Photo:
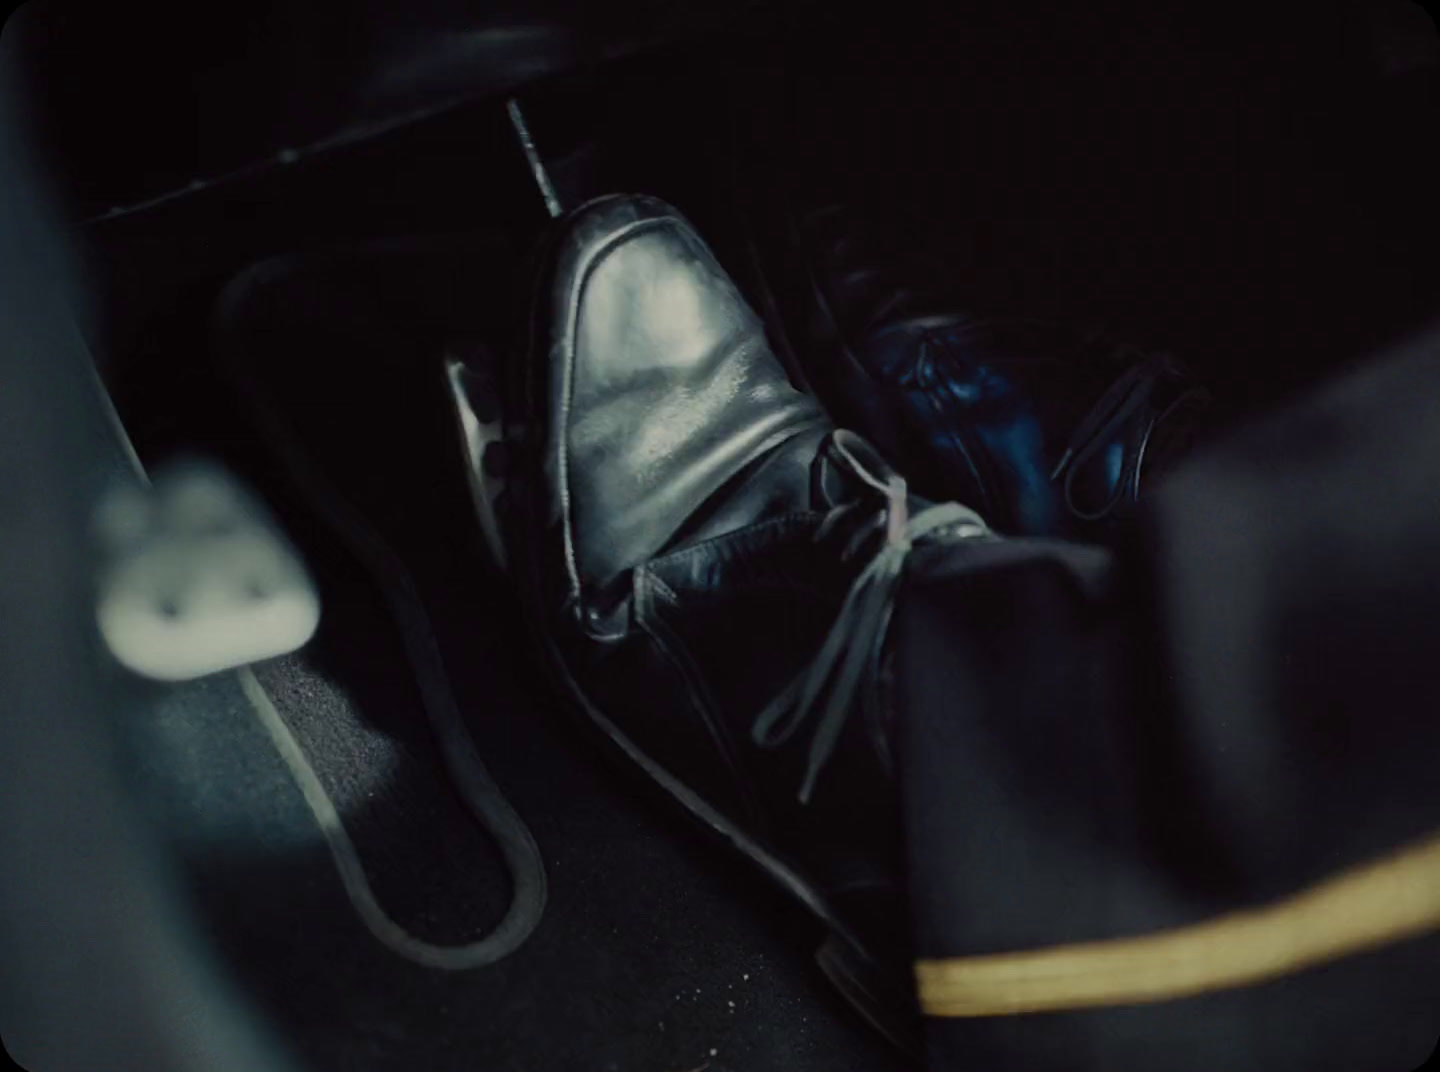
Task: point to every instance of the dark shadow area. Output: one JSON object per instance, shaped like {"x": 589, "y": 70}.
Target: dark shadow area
{"x": 1249, "y": 188}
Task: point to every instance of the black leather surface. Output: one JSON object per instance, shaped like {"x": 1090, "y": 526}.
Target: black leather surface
{"x": 972, "y": 406}
{"x": 659, "y": 390}
{"x": 671, "y": 551}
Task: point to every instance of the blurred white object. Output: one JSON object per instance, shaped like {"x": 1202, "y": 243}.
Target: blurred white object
{"x": 196, "y": 578}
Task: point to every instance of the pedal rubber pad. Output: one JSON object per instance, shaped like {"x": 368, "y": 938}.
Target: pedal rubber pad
{"x": 197, "y": 578}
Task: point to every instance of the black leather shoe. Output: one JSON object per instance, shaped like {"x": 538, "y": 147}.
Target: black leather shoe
{"x": 1046, "y": 431}
{"x": 686, "y": 529}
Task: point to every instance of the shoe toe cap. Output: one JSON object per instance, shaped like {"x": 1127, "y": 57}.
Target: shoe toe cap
{"x": 661, "y": 382}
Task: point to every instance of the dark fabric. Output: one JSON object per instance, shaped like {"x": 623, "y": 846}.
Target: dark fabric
{"x": 1237, "y": 705}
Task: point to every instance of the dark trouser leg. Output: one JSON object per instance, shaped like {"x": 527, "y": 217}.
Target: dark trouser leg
{"x": 1223, "y": 738}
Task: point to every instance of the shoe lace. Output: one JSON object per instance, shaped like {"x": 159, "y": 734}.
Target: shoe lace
{"x": 1128, "y": 395}
{"x": 851, "y": 652}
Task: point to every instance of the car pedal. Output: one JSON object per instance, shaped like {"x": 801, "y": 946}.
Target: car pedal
{"x": 475, "y": 398}
{"x": 196, "y": 577}
{"x": 538, "y": 170}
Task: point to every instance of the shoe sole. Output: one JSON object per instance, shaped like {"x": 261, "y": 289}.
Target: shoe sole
{"x": 842, "y": 958}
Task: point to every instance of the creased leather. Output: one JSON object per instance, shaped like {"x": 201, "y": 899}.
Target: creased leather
{"x": 665, "y": 390}
{"x": 682, "y": 482}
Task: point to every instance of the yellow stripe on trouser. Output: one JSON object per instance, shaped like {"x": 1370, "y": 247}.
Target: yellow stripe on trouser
{"x": 1391, "y": 899}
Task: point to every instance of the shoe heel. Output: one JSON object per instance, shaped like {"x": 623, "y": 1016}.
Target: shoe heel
{"x": 887, "y": 1002}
